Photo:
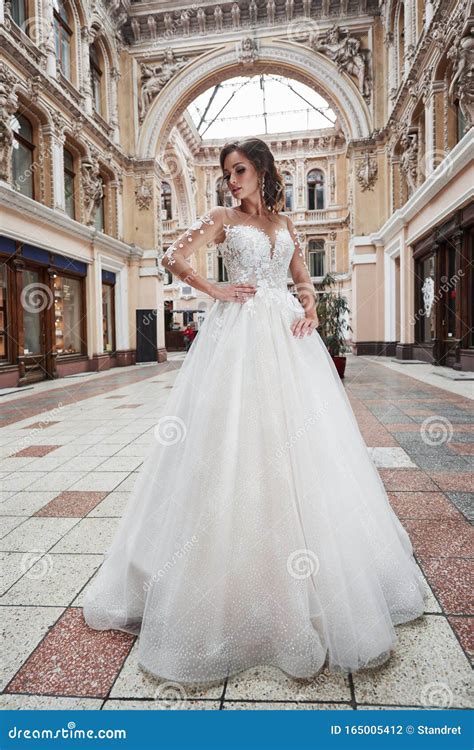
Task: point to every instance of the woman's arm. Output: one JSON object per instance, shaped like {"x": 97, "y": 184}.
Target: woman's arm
{"x": 208, "y": 228}
{"x": 300, "y": 275}
{"x": 205, "y": 229}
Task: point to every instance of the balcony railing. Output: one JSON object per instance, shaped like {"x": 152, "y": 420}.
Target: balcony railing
{"x": 318, "y": 216}
{"x": 170, "y": 225}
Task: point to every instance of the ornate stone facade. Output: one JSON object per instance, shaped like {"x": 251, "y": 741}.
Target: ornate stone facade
{"x": 118, "y": 168}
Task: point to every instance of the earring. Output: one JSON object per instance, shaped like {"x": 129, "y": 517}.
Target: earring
{"x": 263, "y": 187}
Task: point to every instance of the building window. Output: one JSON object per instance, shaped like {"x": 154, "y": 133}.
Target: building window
{"x": 425, "y": 305}
{"x": 108, "y": 316}
{"x": 69, "y": 179}
{"x": 22, "y": 159}
{"x": 315, "y": 182}
{"x": 19, "y": 11}
{"x": 221, "y": 269}
{"x": 68, "y": 314}
{"x": 62, "y": 37}
{"x": 461, "y": 123}
{"x": 316, "y": 257}
{"x": 166, "y": 206}
{"x": 288, "y": 179}
{"x": 32, "y": 316}
{"x": 401, "y": 42}
{"x": 3, "y": 312}
{"x": 223, "y": 194}
{"x": 100, "y": 211}
{"x": 96, "y": 79}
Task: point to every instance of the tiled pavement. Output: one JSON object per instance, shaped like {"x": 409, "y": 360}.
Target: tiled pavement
{"x": 69, "y": 453}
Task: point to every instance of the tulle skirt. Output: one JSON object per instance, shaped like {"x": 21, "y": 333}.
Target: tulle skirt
{"x": 258, "y": 530}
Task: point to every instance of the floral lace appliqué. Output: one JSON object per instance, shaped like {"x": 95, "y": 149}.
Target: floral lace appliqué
{"x": 188, "y": 236}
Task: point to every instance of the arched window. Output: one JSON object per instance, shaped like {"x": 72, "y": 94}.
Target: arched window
{"x": 288, "y": 179}
{"x": 96, "y": 79}
{"x": 166, "y": 203}
{"x": 315, "y": 182}
{"x": 316, "y": 257}
{"x": 23, "y": 156}
{"x": 63, "y": 37}
{"x": 19, "y": 11}
{"x": 223, "y": 195}
{"x": 69, "y": 181}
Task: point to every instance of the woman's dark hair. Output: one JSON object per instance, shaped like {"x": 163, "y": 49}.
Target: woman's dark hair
{"x": 262, "y": 159}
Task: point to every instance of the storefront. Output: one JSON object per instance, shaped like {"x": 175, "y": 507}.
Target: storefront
{"x": 43, "y": 314}
{"x": 444, "y": 293}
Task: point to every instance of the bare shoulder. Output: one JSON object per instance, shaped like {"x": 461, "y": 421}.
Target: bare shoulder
{"x": 286, "y": 222}
{"x": 218, "y": 213}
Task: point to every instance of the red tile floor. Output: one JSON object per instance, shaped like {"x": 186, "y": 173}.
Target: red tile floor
{"x": 65, "y": 479}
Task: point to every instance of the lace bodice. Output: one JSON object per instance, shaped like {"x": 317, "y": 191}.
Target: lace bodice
{"x": 250, "y": 258}
{"x": 247, "y": 250}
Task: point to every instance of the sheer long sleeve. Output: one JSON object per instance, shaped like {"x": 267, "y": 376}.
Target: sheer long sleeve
{"x": 300, "y": 274}
{"x": 298, "y": 261}
{"x": 205, "y": 229}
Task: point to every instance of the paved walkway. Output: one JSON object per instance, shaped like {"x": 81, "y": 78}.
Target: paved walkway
{"x": 70, "y": 451}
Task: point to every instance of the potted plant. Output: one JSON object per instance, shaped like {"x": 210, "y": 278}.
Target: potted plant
{"x": 331, "y": 310}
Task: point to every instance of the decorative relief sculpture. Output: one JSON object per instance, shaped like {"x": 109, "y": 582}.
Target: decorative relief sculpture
{"x": 143, "y": 194}
{"x": 409, "y": 159}
{"x": 247, "y": 50}
{"x": 154, "y": 78}
{"x": 461, "y": 88}
{"x": 345, "y": 51}
{"x": 92, "y": 189}
{"x": 367, "y": 173}
{"x": 235, "y": 15}
{"x": 8, "y": 107}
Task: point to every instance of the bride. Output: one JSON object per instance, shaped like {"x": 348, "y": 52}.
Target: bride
{"x": 259, "y": 530}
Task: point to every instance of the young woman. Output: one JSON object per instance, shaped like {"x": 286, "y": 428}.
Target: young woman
{"x": 259, "y": 530}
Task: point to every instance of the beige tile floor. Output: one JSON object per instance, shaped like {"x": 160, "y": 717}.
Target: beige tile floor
{"x": 59, "y": 512}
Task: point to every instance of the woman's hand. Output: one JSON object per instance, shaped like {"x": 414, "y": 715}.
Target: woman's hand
{"x": 234, "y": 293}
{"x": 304, "y": 326}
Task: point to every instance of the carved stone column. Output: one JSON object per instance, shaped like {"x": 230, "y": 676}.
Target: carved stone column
{"x": 56, "y": 140}
{"x": 48, "y": 37}
{"x": 115, "y": 76}
{"x": 87, "y": 37}
{"x": 300, "y": 192}
{"x": 117, "y": 188}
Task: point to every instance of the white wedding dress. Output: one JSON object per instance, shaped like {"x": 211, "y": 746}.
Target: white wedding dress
{"x": 259, "y": 530}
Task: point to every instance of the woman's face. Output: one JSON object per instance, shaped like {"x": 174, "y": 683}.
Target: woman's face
{"x": 240, "y": 175}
